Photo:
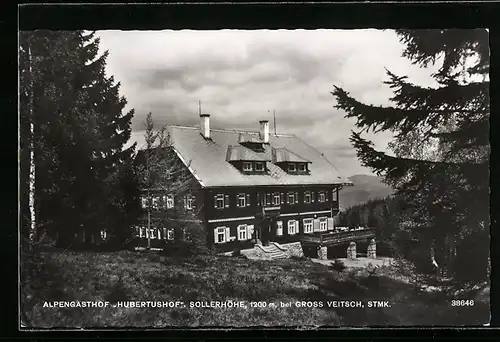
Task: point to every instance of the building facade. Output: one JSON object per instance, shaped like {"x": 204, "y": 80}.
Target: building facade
{"x": 247, "y": 187}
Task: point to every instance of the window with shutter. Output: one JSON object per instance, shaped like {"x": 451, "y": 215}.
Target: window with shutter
{"x": 308, "y": 225}
{"x": 220, "y": 235}
{"x": 268, "y": 199}
{"x": 241, "y": 201}
{"x": 307, "y": 197}
{"x": 170, "y": 234}
{"x": 156, "y": 202}
{"x": 242, "y": 232}
{"x": 316, "y": 225}
{"x": 219, "y": 201}
{"x": 228, "y": 234}
{"x": 291, "y": 198}
{"x": 248, "y": 200}
{"x": 226, "y": 198}
{"x": 276, "y": 198}
{"x": 279, "y": 228}
{"x": 169, "y": 203}
{"x": 249, "y": 231}
{"x": 321, "y": 196}
{"x": 322, "y": 224}
{"x": 216, "y": 235}
{"x": 330, "y": 223}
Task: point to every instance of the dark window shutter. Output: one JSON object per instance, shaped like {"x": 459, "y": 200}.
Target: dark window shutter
{"x": 226, "y": 201}
{"x": 215, "y": 201}
{"x": 258, "y": 199}
{"x": 282, "y": 197}
{"x": 312, "y": 196}
{"x": 248, "y": 200}
{"x": 326, "y": 196}
{"x": 296, "y": 199}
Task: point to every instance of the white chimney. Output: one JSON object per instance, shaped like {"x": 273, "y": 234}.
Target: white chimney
{"x": 264, "y": 131}
{"x": 205, "y": 125}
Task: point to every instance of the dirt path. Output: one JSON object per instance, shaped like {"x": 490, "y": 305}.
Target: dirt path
{"x": 359, "y": 262}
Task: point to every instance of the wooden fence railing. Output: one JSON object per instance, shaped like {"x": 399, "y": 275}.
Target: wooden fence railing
{"x": 332, "y": 238}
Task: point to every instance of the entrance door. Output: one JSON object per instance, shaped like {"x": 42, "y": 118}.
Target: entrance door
{"x": 266, "y": 231}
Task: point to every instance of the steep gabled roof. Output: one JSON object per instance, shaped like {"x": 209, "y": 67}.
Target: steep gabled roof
{"x": 207, "y": 159}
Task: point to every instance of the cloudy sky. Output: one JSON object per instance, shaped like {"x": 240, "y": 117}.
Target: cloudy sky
{"x": 242, "y": 76}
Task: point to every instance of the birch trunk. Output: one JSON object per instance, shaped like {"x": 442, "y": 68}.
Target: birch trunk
{"x": 32, "y": 154}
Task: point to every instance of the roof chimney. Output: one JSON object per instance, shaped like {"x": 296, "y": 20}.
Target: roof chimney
{"x": 205, "y": 125}
{"x": 264, "y": 131}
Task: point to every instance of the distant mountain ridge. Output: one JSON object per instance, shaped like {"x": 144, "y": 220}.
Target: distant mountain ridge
{"x": 366, "y": 187}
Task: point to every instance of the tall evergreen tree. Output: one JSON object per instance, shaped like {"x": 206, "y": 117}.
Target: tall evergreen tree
{"x": 440, "y": 165}
{"x": 79, "y": 134}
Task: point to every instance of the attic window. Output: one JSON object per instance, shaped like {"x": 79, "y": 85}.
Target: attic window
{"x": 302, "y": 167}
{"x": 247, "y": 166}
{"x": 291, "y": 167}
{"x": 259, "y": 166}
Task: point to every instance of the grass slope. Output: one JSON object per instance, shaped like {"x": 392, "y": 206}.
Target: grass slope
{"x": 136, "y": 276}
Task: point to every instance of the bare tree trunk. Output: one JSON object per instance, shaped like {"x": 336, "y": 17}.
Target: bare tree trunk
{"x": 32, "y": 235}
{"x": 434, "y": 262}
{"x": 149, "y": 229}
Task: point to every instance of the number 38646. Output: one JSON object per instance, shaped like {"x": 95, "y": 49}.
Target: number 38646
{"x": 462, "y": 302}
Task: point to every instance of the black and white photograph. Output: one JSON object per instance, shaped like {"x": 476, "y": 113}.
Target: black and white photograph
{"x": 241, "y": 178}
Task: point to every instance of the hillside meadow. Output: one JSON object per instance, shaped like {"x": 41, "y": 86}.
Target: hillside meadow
{"x": 150, "y": 276}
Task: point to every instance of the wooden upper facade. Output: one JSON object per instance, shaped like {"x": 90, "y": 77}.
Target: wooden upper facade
{"x": 251, "y": 185}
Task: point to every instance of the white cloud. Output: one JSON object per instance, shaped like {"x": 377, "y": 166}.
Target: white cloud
{"x": 241, "y": 76}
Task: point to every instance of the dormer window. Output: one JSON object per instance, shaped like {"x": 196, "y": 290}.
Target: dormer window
{"x": 302, "y": 167}
{"x": 259, "y": 166}
{"x": 292, "y": 167}
{"x": 247, "y": 166}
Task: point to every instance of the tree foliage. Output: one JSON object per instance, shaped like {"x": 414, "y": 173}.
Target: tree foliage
{"x": 440, "y": 153}
{"x": 161, "y": 173}
{"x": 80, "y": 132}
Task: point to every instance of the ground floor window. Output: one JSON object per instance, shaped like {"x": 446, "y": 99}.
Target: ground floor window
{"x": 242, "y": 232}
{"x": 170, "y": 234}
{"x": 293, "y": 227}
{"x": 220, "y": 234}
{"x": 308, "y": 225}
{"x": 279, "y": 228}
{"x": 322, "y": 224}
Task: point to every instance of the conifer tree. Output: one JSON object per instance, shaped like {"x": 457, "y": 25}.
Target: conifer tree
{"x": 440, "y": 155}
{"x": 78, "y": 137}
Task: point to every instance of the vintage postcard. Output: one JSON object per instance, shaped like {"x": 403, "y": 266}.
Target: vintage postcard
{"x": 254, "y": 178}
